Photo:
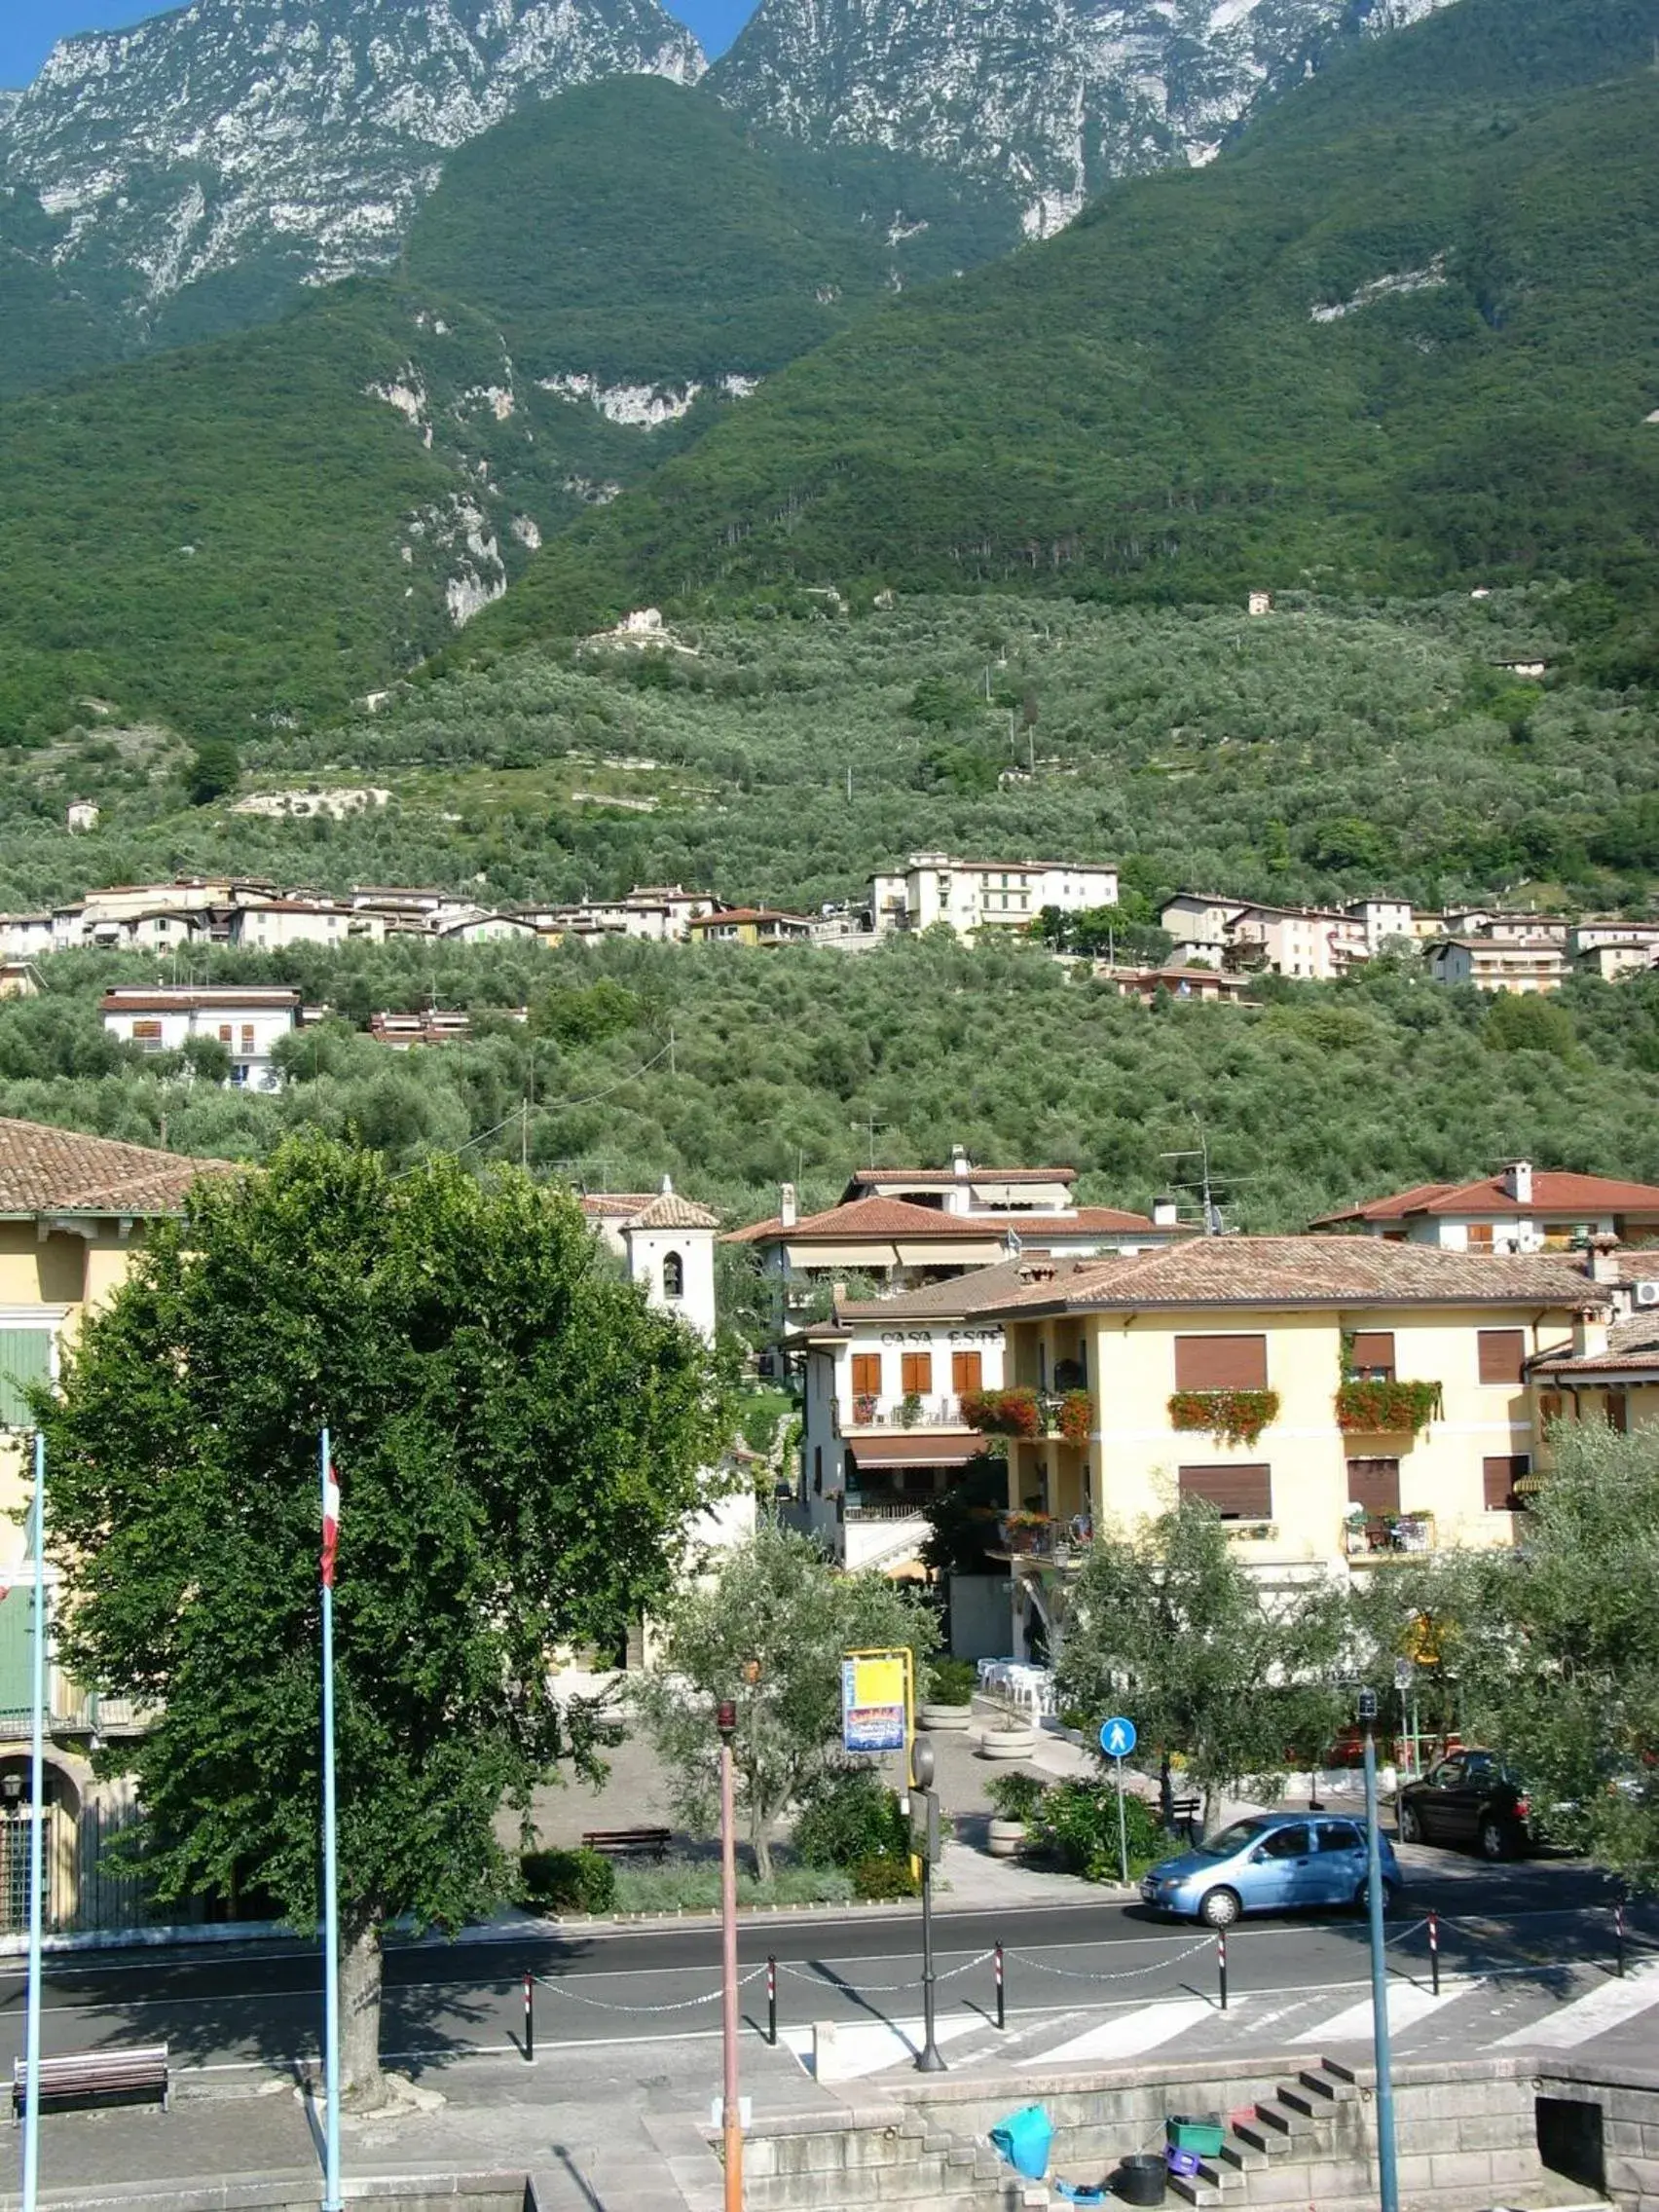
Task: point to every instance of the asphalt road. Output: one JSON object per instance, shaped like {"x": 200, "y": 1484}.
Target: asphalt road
{"x": 259, "y": 2008}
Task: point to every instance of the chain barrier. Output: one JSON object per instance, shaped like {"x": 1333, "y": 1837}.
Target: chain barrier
{"x": 886, "y": 1988}
{"x": 684, "y": 2003}
{"x": 1129, "y": 1974}
{"x": 1404, "y": 1935}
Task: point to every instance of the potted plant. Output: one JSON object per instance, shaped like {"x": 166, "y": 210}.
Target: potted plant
{"x": 864, "y": 1408}
{"x": 909, "y": 1409}
{"x": 1007, "y": 1739}
{"x": 1023, "y": 1530}
{"x": 1355, "y": 1535}
{"x": 1014, "y": 1797}
{"x": 949, "y": 1700}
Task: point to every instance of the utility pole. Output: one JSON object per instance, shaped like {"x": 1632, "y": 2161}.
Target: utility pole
{"x": 1388, "y": 2178}
{"x": 849, "y": 783}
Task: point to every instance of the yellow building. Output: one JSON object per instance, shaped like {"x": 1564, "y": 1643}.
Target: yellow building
{"x": 1341, "y": 1402}
{"x": 73, "y": 1211}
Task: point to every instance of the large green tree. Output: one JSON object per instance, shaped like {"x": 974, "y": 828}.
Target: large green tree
{"x": 518, "y": 1439}
{"x": 776, "y": 1602}
{"x": 1556, "y": 1647}
{"x": 1166, "y": 1625}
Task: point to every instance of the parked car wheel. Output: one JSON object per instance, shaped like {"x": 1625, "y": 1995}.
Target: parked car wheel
{"x": 1362, "y": 1898}
{"x": 1220, "y": 1908}
{"x": 1497, "y": 1839}
{"x": 1410, "y": 1825}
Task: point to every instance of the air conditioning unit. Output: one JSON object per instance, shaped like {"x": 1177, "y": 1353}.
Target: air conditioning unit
{"x": 1648, "y": 1291}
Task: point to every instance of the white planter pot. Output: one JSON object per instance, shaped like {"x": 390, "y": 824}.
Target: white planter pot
{"x": 1007, "y": 1743}
{"x": 1003, "y": 1838}
{"x": 935, "y": 1717}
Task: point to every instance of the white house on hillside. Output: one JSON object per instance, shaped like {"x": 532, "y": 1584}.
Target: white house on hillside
{"x": 1521, "y": 1209}
{"x": 247, "y": 1021}
{"x": 968, "y": 896}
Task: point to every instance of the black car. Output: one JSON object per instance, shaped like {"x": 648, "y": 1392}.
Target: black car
{"x": 1470, "y": 1798}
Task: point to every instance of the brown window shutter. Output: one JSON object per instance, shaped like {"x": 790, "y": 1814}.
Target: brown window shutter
{"x": 1479, "y": 1235}
{"x": 1372, "y": 1354}
{"x": 1501, "y": 1352}
{"x": 967, "y": 1373}
{"x": 1498, "y": 1477}
{"x": 1220, "y": 1363}
{"x": 1550, "y": 1406}
{"x": 1237, "y": 1493}
{"x": 917, "y": 1373}
{"x": 1374, "y": 1484}
{"x": 1618, "y": 1412}
{"x": 866, "y": 1374}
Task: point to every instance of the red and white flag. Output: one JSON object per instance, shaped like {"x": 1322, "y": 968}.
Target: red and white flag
{"x": 330, "y": 1525}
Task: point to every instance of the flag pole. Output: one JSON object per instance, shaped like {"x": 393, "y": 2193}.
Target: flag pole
{"x": 37, "y": 1822}
{"x": 332, "y": 2202}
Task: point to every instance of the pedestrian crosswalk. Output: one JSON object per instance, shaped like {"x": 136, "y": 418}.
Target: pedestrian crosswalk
{"x": 1472, "y": 2013}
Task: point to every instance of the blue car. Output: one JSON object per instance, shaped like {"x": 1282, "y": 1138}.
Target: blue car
{"x": 1271, "y": 1863}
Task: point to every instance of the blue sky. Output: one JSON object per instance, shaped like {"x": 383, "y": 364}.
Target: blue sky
{"x": 28, "y": 27}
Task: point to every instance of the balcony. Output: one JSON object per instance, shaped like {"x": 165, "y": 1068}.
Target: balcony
{"x": 1043, "y": 1539}
{"x": 882, "y": 1532}
{"x": 911, "y": 1411}
{"x": 1375, "y": 1407}
{"x": 1067, "y": 1416}
{"x": 1388, "y": 1538}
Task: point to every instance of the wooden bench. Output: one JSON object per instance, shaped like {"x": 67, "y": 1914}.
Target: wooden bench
{"x": 1184, "y": 1814}
{"x": 87, "y": 2073}
{"x": 628, "y": 1843}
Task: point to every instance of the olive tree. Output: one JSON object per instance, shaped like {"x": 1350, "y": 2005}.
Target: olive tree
{"x": 774, "y": 1608}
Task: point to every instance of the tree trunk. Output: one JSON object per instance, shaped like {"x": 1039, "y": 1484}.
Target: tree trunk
{"x": 361, "y": 2008}
{"x": 1166, "y": 1792}
{"x": 761, "y": 1843}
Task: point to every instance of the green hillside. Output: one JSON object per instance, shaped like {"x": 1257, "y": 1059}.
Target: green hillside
{"x": 633, "y": 230}
{"x": 1403, "y": 334}
{"x": 267, "y": 527}
{"x": 51, "y": 329}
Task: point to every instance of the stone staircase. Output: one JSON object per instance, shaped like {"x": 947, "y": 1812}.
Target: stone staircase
{"x": 1310, "y": 2131}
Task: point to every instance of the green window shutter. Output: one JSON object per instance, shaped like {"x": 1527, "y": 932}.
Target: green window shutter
{"x": 17, "y": 1657}
{"x": 25, "y": 1357}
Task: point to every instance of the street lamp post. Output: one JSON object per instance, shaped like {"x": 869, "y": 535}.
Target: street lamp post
{"x": 731, "y": 2111}
{"x": 1387, "y": 2181}
{"x": 928, "y": 2060}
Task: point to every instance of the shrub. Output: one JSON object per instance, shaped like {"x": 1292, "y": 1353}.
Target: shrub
{"x": 568, "y": 1881}
{"x": 854, "y": 1817}
{"x": 886, "y": 1876}
{"x": 952, "y": 1681}
{"x": 1076, "y": 1824}
{"x": 1017, "y": 1796}
{"x": 686, "y": 1884}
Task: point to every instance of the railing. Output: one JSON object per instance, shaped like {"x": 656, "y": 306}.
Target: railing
{"x": 885, "y": 1509}
{"x": 1047, "y": 1540}
{"x": 1388, "y": 1536}
{"x": 905, "y": 1413}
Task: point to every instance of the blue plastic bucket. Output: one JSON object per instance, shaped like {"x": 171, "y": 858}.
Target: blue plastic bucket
{"x": 1023, "y": 2139}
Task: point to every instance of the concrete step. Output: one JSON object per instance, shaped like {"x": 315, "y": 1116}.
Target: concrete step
{"x": 1244, "y": 2157}
{"x": 1268, "y": 2143}
{"x": 1334, "y": 2089}
{"x": 1272, "y": 2112}
{"x": 1338, "y": 2072}
{"x": 1192, "y": 2189}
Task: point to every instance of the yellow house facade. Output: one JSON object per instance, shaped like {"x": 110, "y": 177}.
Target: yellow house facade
{"x": 1341, "y": 1402}
{"x": 73, "y": 1212}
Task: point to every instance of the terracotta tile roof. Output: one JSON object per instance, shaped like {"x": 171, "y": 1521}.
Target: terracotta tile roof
{"x": 51, "y": 1170}
{"x": 1631, "y": 1344}
{"x": 263, "y": 1000}
{"x": 648, "y": 1210}
{"x": 1308, "y": 1270}
{"x": 1554, "y": 1192}
{"x": 1089, "y": 1220}
{"x": 985, "y": 1289}
{"x": 868, "y": 1218}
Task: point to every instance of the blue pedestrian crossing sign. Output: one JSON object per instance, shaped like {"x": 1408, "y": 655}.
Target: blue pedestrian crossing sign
{"x": 1118, "y": 1738}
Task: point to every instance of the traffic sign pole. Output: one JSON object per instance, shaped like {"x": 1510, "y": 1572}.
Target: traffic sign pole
{"x": 1118, "y": 1741}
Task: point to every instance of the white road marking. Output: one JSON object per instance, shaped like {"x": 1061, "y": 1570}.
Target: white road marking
{"x": 1407, "y": 2002}
{"x": 866, "y": 2046}
{"x": 1607, "y": 2006}
{"x": 1130, "y": 2033}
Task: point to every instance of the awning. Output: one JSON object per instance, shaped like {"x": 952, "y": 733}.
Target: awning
{"x": 907, "y": 1450}
{"x": 1528, "y": 1486}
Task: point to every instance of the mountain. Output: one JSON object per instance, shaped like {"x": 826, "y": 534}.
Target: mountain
{"x": 206, "y": 163}
{"x": 1048, "y": 99}
{"x": 595, "y": 280}
{"x": 1402, "y": 335}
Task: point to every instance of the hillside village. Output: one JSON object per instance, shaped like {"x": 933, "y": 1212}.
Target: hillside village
{"x": 1217, "y": 942}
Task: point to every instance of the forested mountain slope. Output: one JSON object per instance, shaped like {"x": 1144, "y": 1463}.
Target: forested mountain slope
{"x": 273, "y": 524}
{"x": 1403, "y": 334}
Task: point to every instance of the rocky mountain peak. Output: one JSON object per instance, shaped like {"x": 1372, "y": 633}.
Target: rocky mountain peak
{"x": 289, "y": 142}
{"x": 1051, "y": 98}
